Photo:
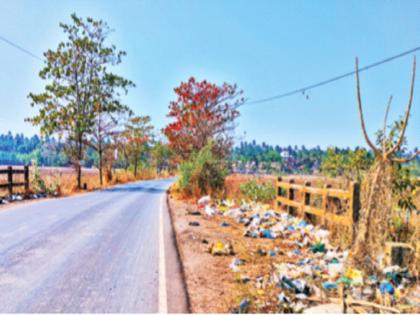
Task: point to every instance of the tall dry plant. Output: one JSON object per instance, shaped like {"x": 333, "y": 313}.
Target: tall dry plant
{"x": 376, "y": 193}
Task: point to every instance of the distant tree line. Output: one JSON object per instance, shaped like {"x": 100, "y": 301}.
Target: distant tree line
{"x": 247, "y": 157}
{"x": 131, "y": 151}
{"x": 21, "y": 150}
{"x": 253, "y": 157}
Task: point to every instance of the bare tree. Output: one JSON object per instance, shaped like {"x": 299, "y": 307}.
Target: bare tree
{"x": 376, "y": 197}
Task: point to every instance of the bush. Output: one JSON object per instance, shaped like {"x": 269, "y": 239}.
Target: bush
{"x": 254, "y": 191}
{"x": 202, "y": 174}
{"x": 54, "y": 189}
{"x": 38, "y": 184}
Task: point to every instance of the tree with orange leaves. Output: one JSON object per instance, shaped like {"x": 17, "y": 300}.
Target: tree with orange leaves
{"x": 203, "y": 112}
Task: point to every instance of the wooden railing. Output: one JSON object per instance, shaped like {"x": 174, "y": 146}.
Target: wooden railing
{"x": 9, "y": 171}
{"x": 323, "y": 206}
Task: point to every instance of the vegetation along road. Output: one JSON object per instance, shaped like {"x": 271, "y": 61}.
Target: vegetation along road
{"x": 97, "y": 252}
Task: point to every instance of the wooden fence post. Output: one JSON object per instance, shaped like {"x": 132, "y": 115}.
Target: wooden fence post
{"x": 10, "y": 179}
{"x": 279, "y": 180}
{"x": 354, "y": 207}
{"x": 325, "y": 204}
{"x": 26, "y": 180}
{"x": 307, "y": 195}
{"x": 291, "y": 196}
{"x": 306, "y": 199}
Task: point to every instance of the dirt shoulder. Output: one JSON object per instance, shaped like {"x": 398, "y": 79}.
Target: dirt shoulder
{"x": 212, "y": 285}
{"x": 208, "y": 279}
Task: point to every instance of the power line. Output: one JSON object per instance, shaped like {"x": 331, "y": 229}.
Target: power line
{"x": 312, "y": 86}
{"x": 20, "y": 48}
{"x": 275, "y": 97}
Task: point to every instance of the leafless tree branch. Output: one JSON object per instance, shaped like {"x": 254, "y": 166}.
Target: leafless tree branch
{"x": 384, "y": 130}
{"x": 407, "y": 114}
{"x": 406, "y": 160}
{"x": 362, "y": 120}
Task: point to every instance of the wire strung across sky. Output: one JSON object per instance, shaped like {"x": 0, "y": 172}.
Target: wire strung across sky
{"x": 274, "y": 97}
{"x": 312, "y": 86}
{"x": 19, "y": 48}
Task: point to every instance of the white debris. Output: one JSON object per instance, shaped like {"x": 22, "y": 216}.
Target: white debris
{"x": 205, "y": 200}
{"x": 210, "y": 210}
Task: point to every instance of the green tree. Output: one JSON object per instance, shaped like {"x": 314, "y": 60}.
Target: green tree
{"x": 136, "y": 137}
{"x": 77, "y": 81}
{"x": 161, "y": 154}
{"x": 333, "y": 164}
{"x": 358, "y": 163}
{"x": 107, "y": 121}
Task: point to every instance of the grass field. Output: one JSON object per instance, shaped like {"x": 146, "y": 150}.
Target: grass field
{"x": 64, "y": 179}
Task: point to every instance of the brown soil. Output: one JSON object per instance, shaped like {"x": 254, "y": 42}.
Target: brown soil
{"x": 208, "y": 278}
{"x": 212, "y": 286}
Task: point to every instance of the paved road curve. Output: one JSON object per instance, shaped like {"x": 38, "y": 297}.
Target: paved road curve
{"x": 97, "y": 252}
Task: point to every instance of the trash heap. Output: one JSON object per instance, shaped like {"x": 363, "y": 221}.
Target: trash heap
{"x": 311, "y": 269}
{"x": 20, "y": 197}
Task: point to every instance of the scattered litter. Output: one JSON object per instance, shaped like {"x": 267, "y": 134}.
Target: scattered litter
{"x": 243, "y": 279}
{"x": 18, "y": 197}
{"x": 194, "y": 213}
{"x": 310, "y": 267}
{"x": 220, "y": 248}
{"x": 203, "y": 201}
{"x": 210, "y": 211}
{"x": 329, "y": 285}
{"x": 194, "y": 223}
{"x": 283, "y": 298}
{"x": 386, "y": 287}
{"x": 318, "y": 248}
{"x": 355, "y": 276}
{"x": 234, "y": 265}
{"x": 244, "y": 306}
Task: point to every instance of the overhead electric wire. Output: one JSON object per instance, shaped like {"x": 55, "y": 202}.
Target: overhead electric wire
{"x": 312, "y": 86}
{"x": 274, "y": 97}
{"x": 20, "y": 48}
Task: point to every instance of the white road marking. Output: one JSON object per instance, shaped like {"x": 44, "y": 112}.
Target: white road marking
{"x": 163, "y": 302}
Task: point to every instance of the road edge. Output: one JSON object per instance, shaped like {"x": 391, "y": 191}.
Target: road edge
{"x": 163, "y": 289}
{"x": 171, "y": 240}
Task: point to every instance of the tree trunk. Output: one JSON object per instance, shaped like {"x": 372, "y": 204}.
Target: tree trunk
{"x": 135, "y": 169}
{"x": 79, "y": 167}
{"x": 100, "y": 165}
{"x": 79, "y": 175}
{"x": 100, "y": 172}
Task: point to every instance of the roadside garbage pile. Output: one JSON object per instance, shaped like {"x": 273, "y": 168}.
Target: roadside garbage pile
{"x": 306, "y": 269}
{"x": 16, "y": 197}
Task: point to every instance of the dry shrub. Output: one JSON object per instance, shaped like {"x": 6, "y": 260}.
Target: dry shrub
{"x": 376, "y": 209}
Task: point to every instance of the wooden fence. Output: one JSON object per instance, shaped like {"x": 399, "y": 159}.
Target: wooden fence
{"x": 324, "y": 206}
{"x": 9, "y": 171}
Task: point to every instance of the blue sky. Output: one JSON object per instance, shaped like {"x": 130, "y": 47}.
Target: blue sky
{"x": 266, "y": 47}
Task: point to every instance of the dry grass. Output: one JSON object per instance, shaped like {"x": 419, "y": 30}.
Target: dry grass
{"x": 65, "y": 179}
{"x": 234, "y": 181}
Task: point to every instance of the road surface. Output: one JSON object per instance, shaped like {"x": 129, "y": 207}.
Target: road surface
{"x": 97, "y": 252}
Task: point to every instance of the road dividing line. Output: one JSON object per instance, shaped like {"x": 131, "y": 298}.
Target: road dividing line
{"x": 163, "y": 298}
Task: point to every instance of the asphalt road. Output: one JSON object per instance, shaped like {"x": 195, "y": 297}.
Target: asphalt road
{"x": 97, "y": 252}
